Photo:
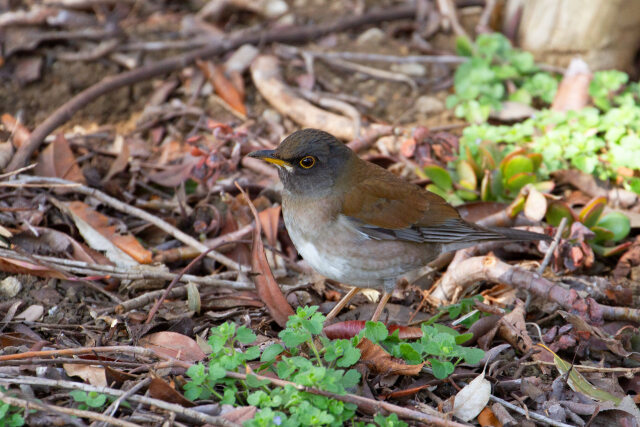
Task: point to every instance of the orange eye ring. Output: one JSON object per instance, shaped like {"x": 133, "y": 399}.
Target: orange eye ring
{"x": 307, "y": 162}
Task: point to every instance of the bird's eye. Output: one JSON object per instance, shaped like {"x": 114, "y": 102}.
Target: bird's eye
{"x": 307, "y": 162}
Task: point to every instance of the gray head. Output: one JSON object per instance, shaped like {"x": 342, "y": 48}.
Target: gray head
{"x": 309, "y": 161}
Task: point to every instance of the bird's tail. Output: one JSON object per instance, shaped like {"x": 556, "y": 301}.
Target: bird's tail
{"x": 493, "y": 234}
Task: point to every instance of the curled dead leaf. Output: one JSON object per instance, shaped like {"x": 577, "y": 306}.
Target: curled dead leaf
{"x": 379, "y": 361}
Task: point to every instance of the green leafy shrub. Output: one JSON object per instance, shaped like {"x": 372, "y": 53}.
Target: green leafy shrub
{"x": 309, "y": 359}
{"x": 10, "y": 416}
{"x": 481, "y": 82}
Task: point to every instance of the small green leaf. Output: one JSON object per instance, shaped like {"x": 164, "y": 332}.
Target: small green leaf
{"x": 464, "y": 47}
{"x": 519, "y": 180}
{"x": 590, "y": 214}
{"x": 270, "y": 353}
{"x": 617, "y": 223}
{"x": 462, "y": 338}
{"x": 467, "y": 176}
{"x": 441, "y": 370}
{"x": 558, "y": 210}
{"x": 78, "y": 395}
{"x": 375, "y": 331}
{"x": 517, "y": 165}
{"x": 253, "y": 381}
{"x": 245, "y": 335}
{"x": 439, "y": 176}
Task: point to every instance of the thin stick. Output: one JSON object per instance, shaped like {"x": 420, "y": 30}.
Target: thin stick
{"x": 32, "y": 404}
{"x": 553, "y": 246}
{"x": 534, "y": 415}
{"x": 178, "y": 409}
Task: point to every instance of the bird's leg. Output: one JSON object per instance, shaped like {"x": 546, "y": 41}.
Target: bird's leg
{"x": 380, "y": 308}
{"x": 341, "y": 304}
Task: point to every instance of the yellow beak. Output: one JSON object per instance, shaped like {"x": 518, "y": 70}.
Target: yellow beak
{"x": 269, "y": 156}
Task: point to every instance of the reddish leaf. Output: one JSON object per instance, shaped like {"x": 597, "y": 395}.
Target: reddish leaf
{"x": 174, "y": 345}
{"x": 14, "y": 266}
{"x": 379, "y": 361}
{"x": 223, "y": 86}
{"x": 266, "y": 285}
{"x": 269, "y": 221}
{"x": 488, "y": 419}
{"x": 19, "y": 132}
{"x": 58, "y": 161}
{"x": 102, "y": 224}
{"x": 350, "y": 328}
{"x": 162, "y": 390}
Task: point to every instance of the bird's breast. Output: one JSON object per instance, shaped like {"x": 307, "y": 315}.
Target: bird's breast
{"x": 331, "y": 244}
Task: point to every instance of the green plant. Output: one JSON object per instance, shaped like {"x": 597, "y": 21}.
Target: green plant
{"x": 284, "y": 406}
{"x": 488, "y": 173}
{"x": 439, "y": 345}
{"x": 597, "y": 141}
{"x": 481, "y": 83}
{"x": 10, "y": 416}
{"x": 92, "y": 399}
{"x": 307, "y": 358}
{"x": 608, "y": 229}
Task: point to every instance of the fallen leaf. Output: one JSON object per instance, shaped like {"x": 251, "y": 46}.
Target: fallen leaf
{"x": 18, "y": 131}
{"x": 58, "y": 161}
{"x": 162, "y": 390}
{"x": 174, "y": 345}
{"x": 100, "y": 235}
{"x": 472, "y": 399}
{"x": 121, "y": 161}
{"x": 379, "y": 361}
{"x": 536, "y": 205}
{"x": 223, "y": 86}
{"x": 578, "y": 383}
{"x": 266, "y": 285}
{"x": 269, "y": 221}
{"x": 94, "y": 375}
{"x": 33, "y": 313}
{"x": 14, "y": 266}
{"x": 488, "y": 419}
{"x": 240, "y": 415}
{"x": 350, "y": 328}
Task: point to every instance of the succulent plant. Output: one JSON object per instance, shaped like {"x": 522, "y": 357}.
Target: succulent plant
{"x": 608, "y": 229}
{"x": 488, "y": 176}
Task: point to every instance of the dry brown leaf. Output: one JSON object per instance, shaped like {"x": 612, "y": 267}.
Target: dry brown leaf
{"x": 58, "y": 161}
{"x": 379, "y": 361}
{"x": 94, "y": 375}
{"x": 174, "y": 345}
{"x": 573, "y": 90}
{"x": 101, "y": 223}
{"x": 240, "y": 415}
{"x": 19, "y": 132}
{"x": 223, "y": 86}
{"x": 14, "y": 266}
{"x": 160, "y": 389}
{"x": 266, "y": 285}
{"x": 120, "y": 163}
{"x": 488, "y": 419}
{"x": 269, "y": 221}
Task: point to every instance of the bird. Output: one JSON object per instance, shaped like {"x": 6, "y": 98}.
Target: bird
{"x": 359, "y": 224}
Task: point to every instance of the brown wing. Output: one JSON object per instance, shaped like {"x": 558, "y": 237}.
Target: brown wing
{"x": 386, "y": 207}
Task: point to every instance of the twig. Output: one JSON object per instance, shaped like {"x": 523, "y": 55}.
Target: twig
{"x": 139, "y": 351}
{"x": 373, "y": 72}
{"x": 132, "y": 210}
{"x": 17, "y": 171}
{"x": 491, "y": 269}
{"x": 32, "y": 404}
{"x": 299, "y": 34}
{"x": 553, "y": 246}
{"x": 534, "y": 415}
{"x": 178, "y": 409}
{"x": 111, "y": 409}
